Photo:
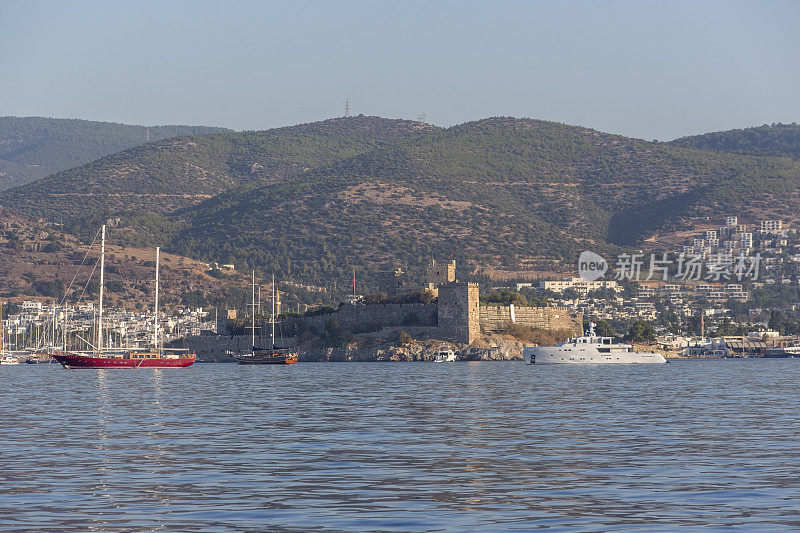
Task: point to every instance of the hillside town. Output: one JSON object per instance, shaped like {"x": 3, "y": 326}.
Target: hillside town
{"x": 716, "y": 311}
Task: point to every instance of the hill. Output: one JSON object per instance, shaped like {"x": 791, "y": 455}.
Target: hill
{"x": 315, "y": 201}
{"x": 160, "y": 177}
{"x": 34, "y": 147}
{"x": 498, "y": 193}
{"x": 774, "y": 140}
{"x": 43, "y": 263}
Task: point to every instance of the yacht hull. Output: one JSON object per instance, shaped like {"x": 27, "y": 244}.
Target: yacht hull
{"x": 68, "y": 360}
{"x": 266, "y": 359}
{"x": 555, "y": 356}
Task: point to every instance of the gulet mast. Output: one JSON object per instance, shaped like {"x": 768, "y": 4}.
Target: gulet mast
{"x": 155, "y": 306}
{"x": 254, "y": 312}
{"x": 273, "y": 312}
{"x": 102, "y": 282}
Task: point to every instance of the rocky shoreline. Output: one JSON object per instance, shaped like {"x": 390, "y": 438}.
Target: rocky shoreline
{"x": 492, "y": 349}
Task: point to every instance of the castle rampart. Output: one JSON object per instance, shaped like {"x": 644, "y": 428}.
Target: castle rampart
{"x": 496, "y": 318}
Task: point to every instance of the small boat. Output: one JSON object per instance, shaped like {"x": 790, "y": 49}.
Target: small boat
{"x": 786, "y": 352}
{"x": 43, "y": 357}
{"x": 124, "y": 358}
{"x": 590, "y": 350}
{"x": 445, "y": 355}
{"x": 274, "y": 355}
{"x": 5, "y": 357}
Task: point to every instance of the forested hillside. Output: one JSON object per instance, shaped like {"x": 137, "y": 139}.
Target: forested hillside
{"x": 315, "y": 201}
{"x": 498, "y": 192}
{"x": 774, "y": 140}
{"x": 160, "y": 177}
{"x": 34, "y": 147}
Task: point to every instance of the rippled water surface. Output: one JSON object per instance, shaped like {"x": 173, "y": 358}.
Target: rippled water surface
{"x": 402, "y": 446}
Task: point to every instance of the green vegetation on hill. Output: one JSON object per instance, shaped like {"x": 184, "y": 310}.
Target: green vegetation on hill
{"x": 160, "y": 177}
{"x": 500, "y": 192}
{"x": 315, "y": 201}
{"x": 774, "y": 140}
{"x": 34, "y": 147}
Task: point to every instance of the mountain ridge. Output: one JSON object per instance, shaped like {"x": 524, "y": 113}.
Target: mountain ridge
{"x": 170, "y": 174}
{"x": 32, "y": 148}
{"x": 318, "y": 200}
{"x": 767, "y": 140}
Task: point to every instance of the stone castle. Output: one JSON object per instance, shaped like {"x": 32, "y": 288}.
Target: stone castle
{"x": 457, "y": 315}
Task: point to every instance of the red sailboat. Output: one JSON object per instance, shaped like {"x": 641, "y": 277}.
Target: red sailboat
{"x": 124, "y": 358}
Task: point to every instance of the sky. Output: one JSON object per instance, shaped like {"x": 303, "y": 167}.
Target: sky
{"x": 647, "y": 69}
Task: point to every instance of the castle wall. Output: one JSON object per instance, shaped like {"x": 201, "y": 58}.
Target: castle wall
{"x": 215, "y": 348}
{"x": 373, "y": 317}
{"x": 496, "y": 318}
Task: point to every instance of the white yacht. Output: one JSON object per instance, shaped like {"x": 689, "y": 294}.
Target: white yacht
{"x": 445, "y": 355}
{"x": 588, "y": 350}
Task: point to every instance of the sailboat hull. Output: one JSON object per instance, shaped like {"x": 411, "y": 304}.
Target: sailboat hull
{"x": 136, "y": 360}
{"x": 266, "y": 359}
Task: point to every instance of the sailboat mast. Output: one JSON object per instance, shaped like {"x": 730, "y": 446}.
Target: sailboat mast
{"x": 254, "y": 309}
{"x": 155, "y": 307}
{"x": 273, "y": 311}
{"x": 102, "y": 282}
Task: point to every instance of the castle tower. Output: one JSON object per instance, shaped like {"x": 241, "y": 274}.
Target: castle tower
{"x": 440, "y": 273}
{"x": 459, "y": 311}
{"x": 393, "y": 282}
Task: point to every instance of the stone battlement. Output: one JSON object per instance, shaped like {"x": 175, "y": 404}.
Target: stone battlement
{"x": 497, "y": 318}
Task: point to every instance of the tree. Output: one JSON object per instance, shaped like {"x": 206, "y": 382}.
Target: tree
{"x": 115, "y": 286}
{"x": 775, "y": 321}
{"x": 641, "y": 331}
{"x": 505, "y": 298}
{"x": 604, "y": 329}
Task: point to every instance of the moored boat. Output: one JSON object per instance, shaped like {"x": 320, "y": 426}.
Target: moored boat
{"x": 124, "y": 358}
{"x": 132, "y": 359}
{"x": 445, "y": 355}
{"x": 273, "y": 355}
{"x": 267, "y": 356}
{"x": 786, "y": 352}
{"x": 5, "y": 357}
{"x": 590, "y": 350}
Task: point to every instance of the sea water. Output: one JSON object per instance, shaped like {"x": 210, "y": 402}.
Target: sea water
{"x": 402, "y": 447}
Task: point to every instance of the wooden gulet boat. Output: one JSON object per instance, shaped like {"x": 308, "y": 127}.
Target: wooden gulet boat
{"x": 273, "y": 355}
{"x": 124, "y": 358}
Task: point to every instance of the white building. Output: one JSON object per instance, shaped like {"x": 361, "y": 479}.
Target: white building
{"x": 578, "y": 284}
{"x": 771, "y": 226}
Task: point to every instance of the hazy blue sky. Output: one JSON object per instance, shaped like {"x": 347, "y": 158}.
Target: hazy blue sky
{"x": 642, "y": 68}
